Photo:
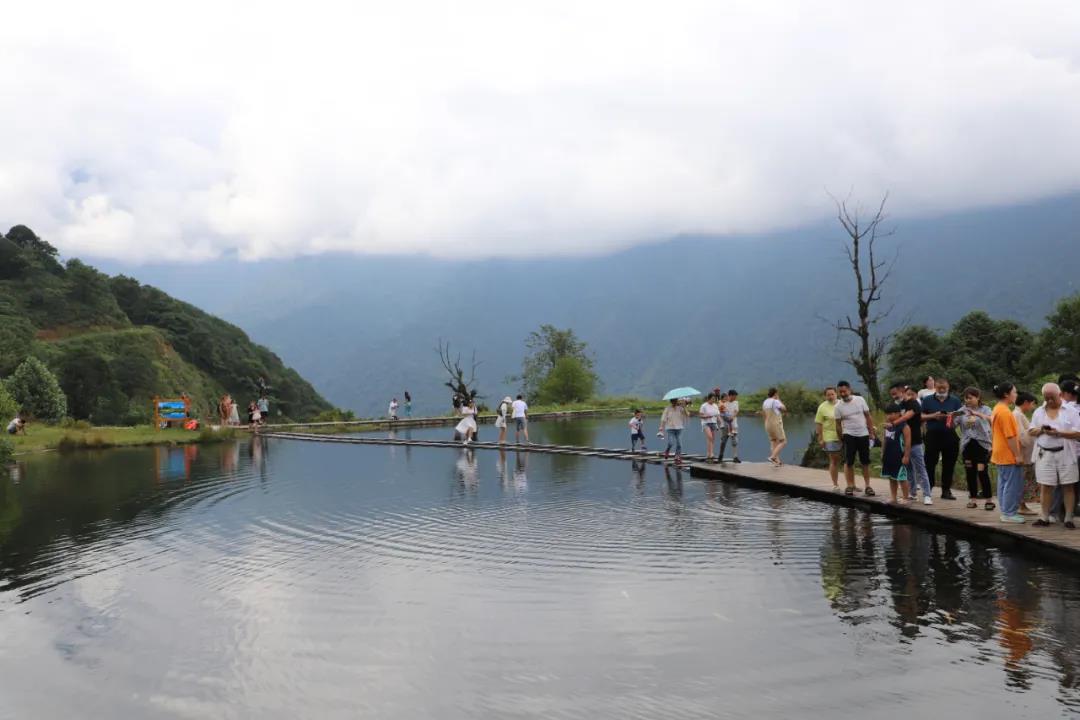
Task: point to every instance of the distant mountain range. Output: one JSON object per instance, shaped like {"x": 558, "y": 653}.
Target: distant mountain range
{"x": 734, "y": 311}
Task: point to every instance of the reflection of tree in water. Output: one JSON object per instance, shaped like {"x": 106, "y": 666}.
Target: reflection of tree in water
{"x": 567, "y": 432}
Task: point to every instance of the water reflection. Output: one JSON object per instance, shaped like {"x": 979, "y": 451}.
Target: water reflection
{"x": 612, "y": 588}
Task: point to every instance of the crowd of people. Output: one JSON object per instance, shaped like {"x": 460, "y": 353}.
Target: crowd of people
{"x": 258, "y": 410}
{"x": 1034, "y": 450}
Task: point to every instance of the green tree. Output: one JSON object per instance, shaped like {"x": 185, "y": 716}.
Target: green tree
{"x": 916, "y": 352}
{"x": 37, "y": 390}
{"x": 16, "y": 337}
{"x": 1057, "y": 348}
{"x": 8, "y": 407}
{"x": 547, "y": 346}
{"x": 569, "y": 381}
{"x": 87, "y": 381}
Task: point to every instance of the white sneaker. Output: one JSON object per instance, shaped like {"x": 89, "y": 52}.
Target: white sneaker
{"x": 927, "y": 500}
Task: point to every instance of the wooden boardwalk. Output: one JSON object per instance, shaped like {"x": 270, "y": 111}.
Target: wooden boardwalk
{"x": 951, "y": 515}
{"x": 1054, "y": 542}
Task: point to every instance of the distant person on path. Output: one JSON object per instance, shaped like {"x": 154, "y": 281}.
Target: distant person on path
{"x": 520, "y": 410}
{"x": 911, "y": 414}
{"x": 894, "y": 453}
{"x": 975, "y": 446}
{"x": 254, "y": 416}
{"x": 774, "y": 410}
{"x": 709, "y": 412}
{"x": 392, "y": 410}
{"x": 940, "y": 437}
{"x": 263, "y": 404}
{"x": 234, "y": 412}
{"x": 855, "y": 427}
{"x": 1006, "y": 454}
{"x": 672, "y": 422}
{"x": 502, "y": 414}
{"x": 929, "y": 387}
{"x": 223, "y": 409}
{"x": 1054, "y": 428}
{"x": 637, "y": 431}
{"x": 17, "y": 426}
{"x": 408, "y": 404}
{"x": 729, "y": 427}
{"x": 1025, "y": 404}
{"x": 827, "y": 437}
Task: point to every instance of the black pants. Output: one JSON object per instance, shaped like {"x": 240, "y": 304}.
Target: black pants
{"x": 946, "y": 446}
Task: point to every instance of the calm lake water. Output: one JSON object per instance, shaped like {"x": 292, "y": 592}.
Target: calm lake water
{"x": 279, "y": 579}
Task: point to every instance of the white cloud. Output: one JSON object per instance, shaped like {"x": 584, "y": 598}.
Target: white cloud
{"x": 493, "y": 128}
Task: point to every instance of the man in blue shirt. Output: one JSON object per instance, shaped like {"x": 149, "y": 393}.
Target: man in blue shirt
{"x": 940, "y": 438}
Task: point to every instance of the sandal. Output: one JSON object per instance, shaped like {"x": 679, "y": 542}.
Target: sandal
{"x": 972, "y": 504}
{"x": 989, "y": 505}
{"x": 1041, "y": 523}
{"x": 870, "y": 492}
{"x": 849, "y": 491}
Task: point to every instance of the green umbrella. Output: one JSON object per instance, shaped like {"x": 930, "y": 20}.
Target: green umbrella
{"x": 680, "y": 393}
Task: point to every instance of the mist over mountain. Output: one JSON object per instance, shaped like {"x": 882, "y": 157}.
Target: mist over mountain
{"x": 736, "y": 311}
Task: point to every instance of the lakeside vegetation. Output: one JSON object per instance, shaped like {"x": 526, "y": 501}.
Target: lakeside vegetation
{"x": 79, "y": 436}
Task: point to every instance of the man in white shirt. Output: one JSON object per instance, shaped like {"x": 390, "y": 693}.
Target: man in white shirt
{"x": 392, "y": 410}
{"x": 521, "y": 419}
{"x": 856, "y": 428}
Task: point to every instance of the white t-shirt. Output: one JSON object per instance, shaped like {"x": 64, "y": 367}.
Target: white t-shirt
{"x": 925, "y": 392}
{"x": 773, "y": 405}
{"x": 636, "y": 424}
{"x": 1068, "y": 419}
{"x": 710, "y": 413}
{"x": 852, "y": 416}
{"x": 519, "y": 409}
{"x": 502, "y": 410}
{"x": 14, "y": 426}
{"x": 393, "y": 408}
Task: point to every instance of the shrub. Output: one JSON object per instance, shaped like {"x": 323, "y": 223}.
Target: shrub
{"x": 37, "y": 391}
{"x": 7, "y": 451}
{"x": 8, "y": 407}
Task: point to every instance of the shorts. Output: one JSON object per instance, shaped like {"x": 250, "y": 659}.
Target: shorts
{"x": 1055, "y": 468}
{"x": 520, "y": 423}
{"x": 712, "y": 426}
{"x": 975, "y": 454}
{"x": 833, "y": 446}
{"x": 855, "y": 445}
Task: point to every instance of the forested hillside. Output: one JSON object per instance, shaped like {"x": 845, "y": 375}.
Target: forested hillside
{"x": 113, "y": 343}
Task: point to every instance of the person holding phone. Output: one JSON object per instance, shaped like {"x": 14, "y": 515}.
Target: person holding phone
{"x": 940, "y": 437}
{"x": 975, "y": 447}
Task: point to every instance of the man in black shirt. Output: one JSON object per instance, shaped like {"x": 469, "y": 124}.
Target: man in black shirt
{"x": 907, "y": 399}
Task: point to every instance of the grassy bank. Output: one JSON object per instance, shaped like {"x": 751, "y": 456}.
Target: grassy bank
{"x": 53, "y": 437}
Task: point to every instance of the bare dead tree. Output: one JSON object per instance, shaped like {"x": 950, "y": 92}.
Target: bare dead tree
{"x": 461, "y": 385}
{"x": 867, "y": 348}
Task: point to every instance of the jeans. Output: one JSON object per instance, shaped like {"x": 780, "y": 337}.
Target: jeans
{"x": 917, "y": 470}
{"x": 1010, "y": 488}
{"x": 725, "y": 435}
{"x": 674, "y": 435}
{"x": 635, "y": 438}
{"x": 944, "y": 445}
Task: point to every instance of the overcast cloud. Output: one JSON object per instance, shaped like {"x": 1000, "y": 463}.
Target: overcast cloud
{"x": 507, "y": 128}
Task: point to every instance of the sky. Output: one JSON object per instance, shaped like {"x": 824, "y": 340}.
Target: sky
{"x": 148, "y": 132}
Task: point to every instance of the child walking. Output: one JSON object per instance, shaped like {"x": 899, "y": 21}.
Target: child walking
{"x": 895, "y": 454}
{"x": 637, "y": 431}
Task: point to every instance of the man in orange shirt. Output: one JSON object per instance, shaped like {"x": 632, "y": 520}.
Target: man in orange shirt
{"x": 1006, "y": 454}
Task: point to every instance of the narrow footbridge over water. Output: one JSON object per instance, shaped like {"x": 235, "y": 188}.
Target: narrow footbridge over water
{"x": 1055, "y": 542}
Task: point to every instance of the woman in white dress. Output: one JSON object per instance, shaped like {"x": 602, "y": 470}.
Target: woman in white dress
{"x": 234, "y": 414}
{"x": 467, "y": 427}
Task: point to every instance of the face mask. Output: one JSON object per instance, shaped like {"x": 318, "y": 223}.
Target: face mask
{"x": 942, "y": 395}
{"x": 847, "y": 398}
